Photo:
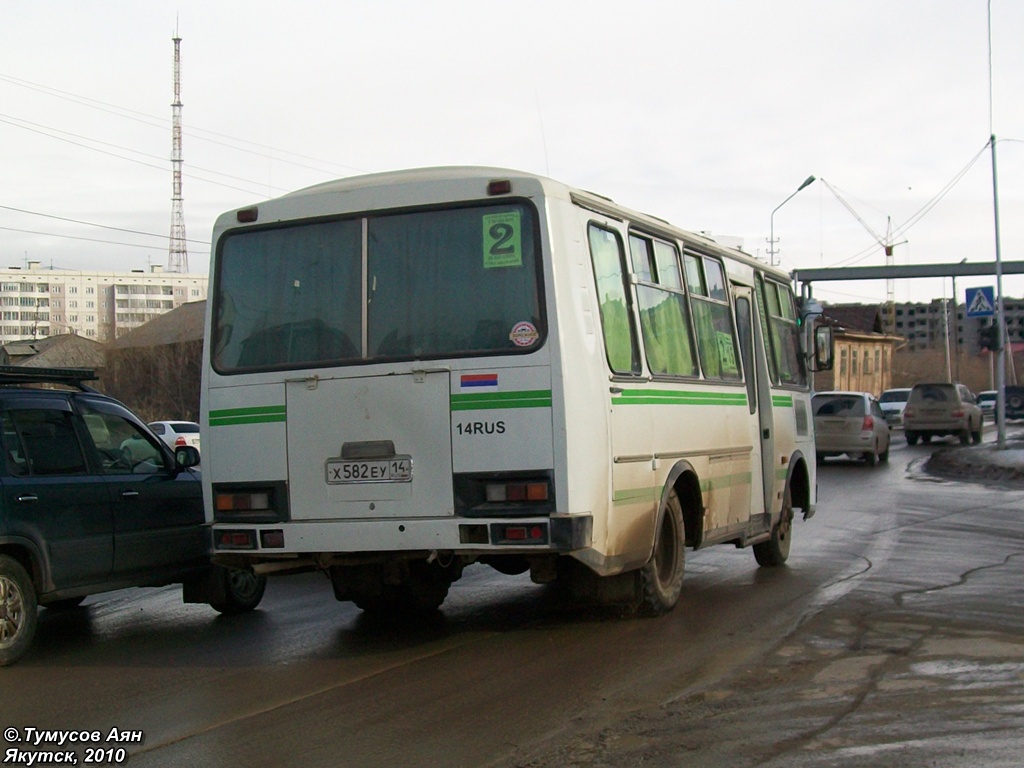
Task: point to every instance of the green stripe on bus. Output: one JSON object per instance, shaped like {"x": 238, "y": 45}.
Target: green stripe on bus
{"x": 782, "y": 401}
{"x": 726, "y": 481}
{"x": 675, "y": 397}
{"x": 481, "y": 401}
{"x": 635, "y": 496}
{"x": 251, "y": 415}
{"x": 650, "y": 495}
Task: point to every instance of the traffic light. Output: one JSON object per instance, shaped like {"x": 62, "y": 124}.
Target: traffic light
{"x": 989, "y": 337}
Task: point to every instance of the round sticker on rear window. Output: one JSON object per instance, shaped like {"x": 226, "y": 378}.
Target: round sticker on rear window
{"x": 524, "y": 334}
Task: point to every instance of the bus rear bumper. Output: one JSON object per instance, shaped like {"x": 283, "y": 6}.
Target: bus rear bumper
{"x": 549, "y": 534}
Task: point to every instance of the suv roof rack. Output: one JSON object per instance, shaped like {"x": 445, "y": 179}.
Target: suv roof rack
{"x": 18, "y": 374}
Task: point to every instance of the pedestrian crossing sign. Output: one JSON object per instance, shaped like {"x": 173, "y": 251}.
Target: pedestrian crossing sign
{"x": 981, "y": 302}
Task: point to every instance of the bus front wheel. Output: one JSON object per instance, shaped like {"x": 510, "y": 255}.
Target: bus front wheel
{"x": 775, "y": 551}
{"x": 661, "y": 579}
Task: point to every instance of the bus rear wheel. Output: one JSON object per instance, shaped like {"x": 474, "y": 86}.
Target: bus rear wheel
{"x": 775, "y": 551}
{"x": 418, "y": 593}
{"x": 661, "y": 579}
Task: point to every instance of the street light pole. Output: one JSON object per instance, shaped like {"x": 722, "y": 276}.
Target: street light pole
{"x": 771, "y": 237}
{"x": 956, "y": 325}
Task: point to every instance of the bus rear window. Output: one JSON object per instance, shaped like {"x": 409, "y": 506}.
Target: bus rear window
{"x": 436, "y": 284}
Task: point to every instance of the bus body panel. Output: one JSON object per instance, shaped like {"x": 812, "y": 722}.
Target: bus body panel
{"x": 245, "y": 433}
{"x": 501, "y": 419}
{"x": 369, "y": 447}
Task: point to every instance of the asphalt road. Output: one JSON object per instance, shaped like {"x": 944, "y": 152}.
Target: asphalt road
{"x": 895, "y": 636}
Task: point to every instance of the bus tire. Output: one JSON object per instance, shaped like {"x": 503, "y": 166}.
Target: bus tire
{"x": 419, "y": 595}
{"x": 661, "y": 579}
{"x": 775, "y": 551}
{"x": 18, "y": 615}
{"x": 243, "y": 591}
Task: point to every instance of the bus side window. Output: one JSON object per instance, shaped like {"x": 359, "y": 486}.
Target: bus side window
{"x": 664, "y": 320}
{"x": 716, "y": 336}
{"x": 613, "y": 300}
{"x": 788, "y": 366}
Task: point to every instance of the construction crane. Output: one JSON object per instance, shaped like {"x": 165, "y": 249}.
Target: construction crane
{"x": 888, "y": 246}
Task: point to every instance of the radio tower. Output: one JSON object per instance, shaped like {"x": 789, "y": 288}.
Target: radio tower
{"x": 177, "y": 259}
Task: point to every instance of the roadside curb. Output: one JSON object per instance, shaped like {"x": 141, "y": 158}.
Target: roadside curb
{"x": 983, "y": 463}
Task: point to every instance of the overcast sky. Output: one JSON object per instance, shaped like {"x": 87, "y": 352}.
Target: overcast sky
{"x": 707, "y": 114}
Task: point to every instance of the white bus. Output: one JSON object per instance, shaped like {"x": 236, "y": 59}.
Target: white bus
{"x": 409, "y": 372}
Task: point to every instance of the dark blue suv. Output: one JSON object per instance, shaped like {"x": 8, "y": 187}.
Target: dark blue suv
{"x": 92, "y": 501}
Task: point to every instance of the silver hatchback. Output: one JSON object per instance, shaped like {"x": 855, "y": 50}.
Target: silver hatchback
{"x": 850, "y": 423}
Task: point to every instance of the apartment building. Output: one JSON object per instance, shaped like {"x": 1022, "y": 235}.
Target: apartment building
{"x": 36, "y": 303}
{"x": 925, "y": 324}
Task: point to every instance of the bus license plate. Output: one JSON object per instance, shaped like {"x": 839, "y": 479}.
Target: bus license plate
{"x": 396, "y": 470}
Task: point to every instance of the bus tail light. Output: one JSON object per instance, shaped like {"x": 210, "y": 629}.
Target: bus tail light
{"x": 504, "y": 494}
{"x": 272, "y": 539}
{"x": 500, "y": 492}
{"x": 513, "y": 533}
{"x": 234, "y": 540}
{"x": 250, "y": 503}
{"x": 246, "y": 539}
{"x": 242, "y": 502}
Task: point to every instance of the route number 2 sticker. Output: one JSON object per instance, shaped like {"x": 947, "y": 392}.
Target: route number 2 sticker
{"x": 502, "y": 240}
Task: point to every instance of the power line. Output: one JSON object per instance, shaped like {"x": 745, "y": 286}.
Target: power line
{"x": 17, "y": 123}
{"x": 76, "y": 237}
{"x": 87, "y": 224}
{"x": 271, "y": 153}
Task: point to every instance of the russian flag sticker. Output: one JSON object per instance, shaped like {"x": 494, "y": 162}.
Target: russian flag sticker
{"x": 479, "y": 380}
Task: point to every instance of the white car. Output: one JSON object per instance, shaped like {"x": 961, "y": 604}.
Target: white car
{"x": 892, "y": 402}
{"x": 177, "y": 433}
{"x": 987, "y": 402}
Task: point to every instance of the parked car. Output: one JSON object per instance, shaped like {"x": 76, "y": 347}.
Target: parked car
{"x": 892, "y": 402}
{"x": 850, "y": 423}
{"x": 92, "y": 501}
{"x": 987, "y": 402}
{"x": 940, "y": 409}
{"x": 176, "y": 433}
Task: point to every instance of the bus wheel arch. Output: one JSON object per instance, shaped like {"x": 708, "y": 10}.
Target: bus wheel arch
{"x": 799, "y": 484}
{"x": 684, "y": 481}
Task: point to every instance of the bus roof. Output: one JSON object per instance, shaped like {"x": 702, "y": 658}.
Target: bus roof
{"x": 586, "y": 199}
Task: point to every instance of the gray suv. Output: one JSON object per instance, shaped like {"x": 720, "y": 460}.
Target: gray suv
{"x": 941, "y": 409}
{"x": 92, "y": 501}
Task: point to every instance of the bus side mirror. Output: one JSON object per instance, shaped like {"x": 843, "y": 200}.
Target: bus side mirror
{"x": 824, "y": 349}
